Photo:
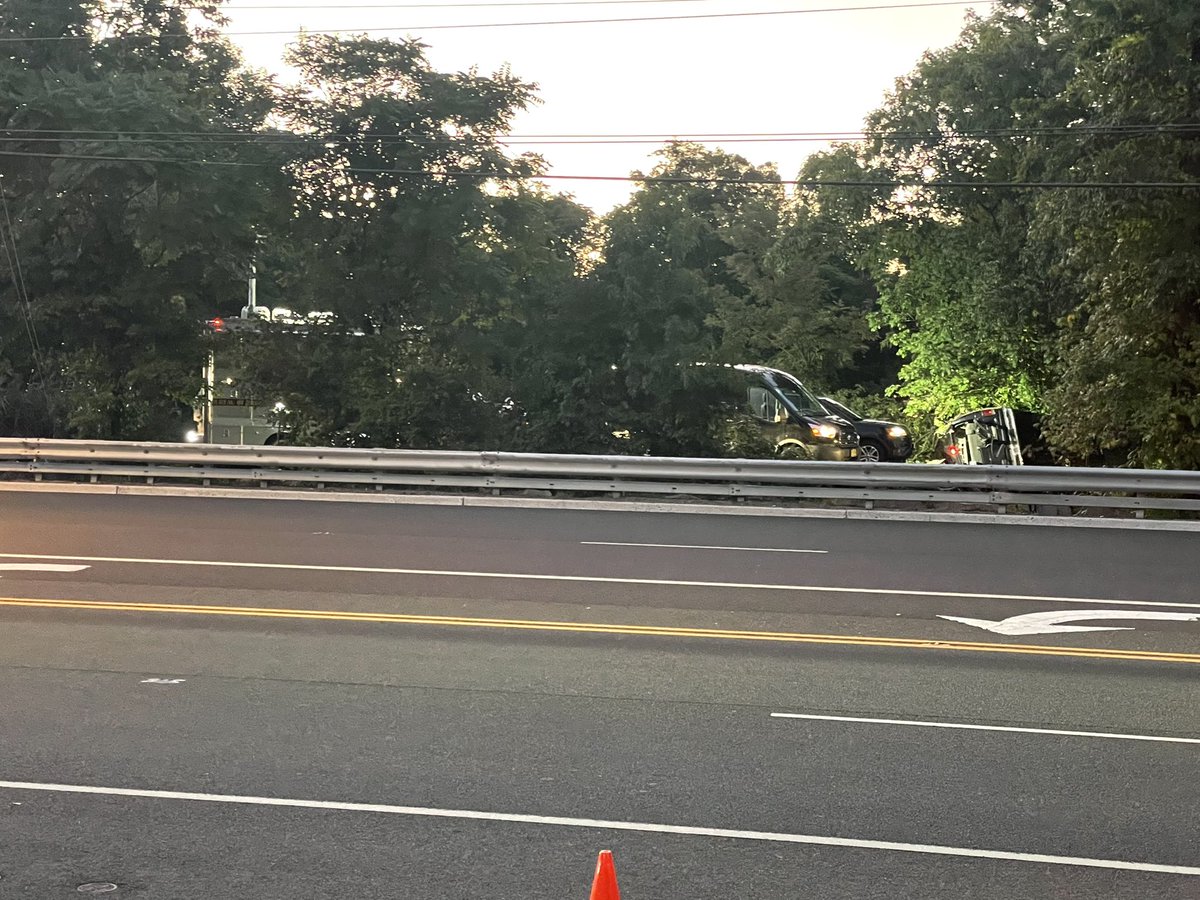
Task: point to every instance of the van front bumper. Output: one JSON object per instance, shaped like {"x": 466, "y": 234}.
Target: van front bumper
{"x": 835, "y": 452}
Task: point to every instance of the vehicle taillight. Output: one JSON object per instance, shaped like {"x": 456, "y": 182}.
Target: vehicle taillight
{"x": 952, "y": 451}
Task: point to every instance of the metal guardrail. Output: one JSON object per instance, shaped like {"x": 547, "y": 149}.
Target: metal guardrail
{"x": 867, "y": 483}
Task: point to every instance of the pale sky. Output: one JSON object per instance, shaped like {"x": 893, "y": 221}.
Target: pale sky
{"x": 817, "y": 72}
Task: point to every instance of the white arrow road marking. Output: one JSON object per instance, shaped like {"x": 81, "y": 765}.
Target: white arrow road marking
{"x": 1048, "y": 622}
{"x": 39, "y": 567}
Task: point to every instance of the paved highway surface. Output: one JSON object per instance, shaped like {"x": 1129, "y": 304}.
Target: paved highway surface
{"x": 265, "y": 699}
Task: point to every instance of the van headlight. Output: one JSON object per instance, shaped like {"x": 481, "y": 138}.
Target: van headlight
{"x": 823, "y": 430}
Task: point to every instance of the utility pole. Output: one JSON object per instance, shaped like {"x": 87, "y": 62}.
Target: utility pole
{"x": 252, "y": 310}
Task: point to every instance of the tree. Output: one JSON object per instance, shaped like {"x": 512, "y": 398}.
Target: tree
{"x": 666, "y": 268}
{"x": 413, "y": 227}
{"x": 1080, "y": 302}
{"x": 1128, "y": 350}
{"x": 124, "y": 245}
{"x": 965, "y": 296}
{"x": 805, "y": 298}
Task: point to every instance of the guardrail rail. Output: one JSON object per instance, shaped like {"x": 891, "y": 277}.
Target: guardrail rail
{"x": 1047, "y": 489}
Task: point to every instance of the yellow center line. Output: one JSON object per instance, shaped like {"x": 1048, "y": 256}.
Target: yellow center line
{"x": 787, "y": 637}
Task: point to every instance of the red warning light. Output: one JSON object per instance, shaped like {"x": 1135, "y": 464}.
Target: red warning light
{"x": 217, "y": 324}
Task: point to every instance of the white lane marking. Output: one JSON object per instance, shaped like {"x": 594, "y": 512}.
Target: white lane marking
{"x": 162, "y": 681}
{"x": 1050, "y": 622}
{"x": 695, "y": 547}
{"x": 40, "y": 567}
{"x": 968, "y": 727}
{"x": 596, "y": 579}
{"x": 772, "y": 836}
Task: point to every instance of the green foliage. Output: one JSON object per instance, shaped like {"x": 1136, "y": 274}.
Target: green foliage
{"x": 121, "y": 258}
{"x": 738, "y": 436}
{"x": 667, "y": 256}
{"x": 725, "y": 270}
{"x": 401, "y": 244}
{"x": 1078, "y": 303}
{"x": 951, "y": 312}
{"x": 964, "y": 299}
{"x": 1128, "y": 348}
{"x": 804, "y": 305}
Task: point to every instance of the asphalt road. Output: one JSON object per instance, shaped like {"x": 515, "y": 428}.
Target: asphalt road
{"x": 731, "y": 717}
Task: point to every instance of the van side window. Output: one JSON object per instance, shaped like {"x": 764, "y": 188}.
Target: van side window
{"x": 762, "y": 403}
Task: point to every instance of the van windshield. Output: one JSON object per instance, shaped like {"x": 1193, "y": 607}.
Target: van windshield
{"x": 839, "y": 409}
{"x": 798, "y": 395}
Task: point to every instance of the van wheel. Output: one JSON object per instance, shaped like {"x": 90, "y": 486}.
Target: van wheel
{"x": 871, "y": 451}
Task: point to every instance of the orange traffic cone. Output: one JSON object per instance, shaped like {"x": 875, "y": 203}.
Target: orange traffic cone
{"x": 604, "y": 885}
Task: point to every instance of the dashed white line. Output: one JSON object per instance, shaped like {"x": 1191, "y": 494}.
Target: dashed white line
{"x": 603, "y": 824}
{"x": 972, "y": 727}
{"x": 40, "y": 567}
{"x": 696, "y": 547}
{"x": 596, "y": 579}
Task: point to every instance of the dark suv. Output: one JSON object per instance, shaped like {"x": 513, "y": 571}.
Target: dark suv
{"x": 879, "y": 441}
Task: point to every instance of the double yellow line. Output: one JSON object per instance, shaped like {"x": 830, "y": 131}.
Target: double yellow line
{"x": 784, "y": 637}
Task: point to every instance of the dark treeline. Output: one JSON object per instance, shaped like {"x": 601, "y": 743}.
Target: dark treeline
{"x": 144, "y": 167}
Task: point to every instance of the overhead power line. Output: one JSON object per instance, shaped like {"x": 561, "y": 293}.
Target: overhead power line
{"x": 630, "y": 19}
{"x": 8, "y": 235}
{"x": 655, "y": 179}
{"x": 825, "y": 133}
{"x": 605, "y": 21}
{"x": 238, "y": 6}
{"x": 234, "y": 138}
